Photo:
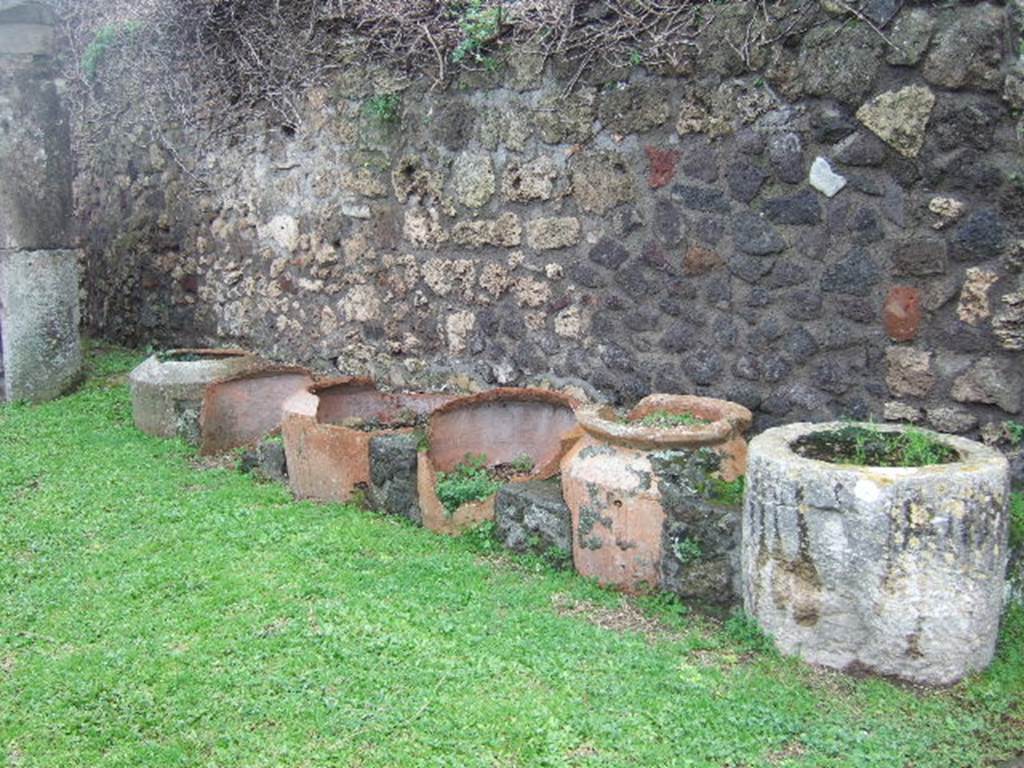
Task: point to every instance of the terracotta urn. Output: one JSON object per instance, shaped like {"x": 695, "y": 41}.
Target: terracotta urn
{"x": 505, "y": 425}
{"x": 328, "y": 427}
{"x": 242, "y": 409}
{"x": 638, "y": 492}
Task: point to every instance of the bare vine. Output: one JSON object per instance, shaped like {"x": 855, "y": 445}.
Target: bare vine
{"x": 212, "y": 65}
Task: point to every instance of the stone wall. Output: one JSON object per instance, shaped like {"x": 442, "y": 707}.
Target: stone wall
{"x": 834, "y": 229}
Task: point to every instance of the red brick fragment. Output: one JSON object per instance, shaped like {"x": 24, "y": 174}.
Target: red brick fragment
{"x": 902, "y": 313}
{"x": 663, "y": 166}
{"x": 699, "y": 260}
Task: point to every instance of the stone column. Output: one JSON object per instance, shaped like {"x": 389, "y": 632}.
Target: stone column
{"x": 40, "y": 353}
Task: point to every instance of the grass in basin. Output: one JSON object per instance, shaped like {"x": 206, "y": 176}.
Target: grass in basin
{"x": 156, "y": 614}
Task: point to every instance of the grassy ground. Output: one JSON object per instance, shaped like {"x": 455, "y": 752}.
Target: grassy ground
{"x": 153, "y": 613}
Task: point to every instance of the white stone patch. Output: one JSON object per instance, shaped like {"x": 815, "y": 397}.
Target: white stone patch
{"x": 283, "y": 230}
{"x": 355, "y": 210}
{"x": 824, "y": 179}
{"x": 459, "y": 326}
{"x": 867, "y": 491}
{"x": 361, "y": 305}
{"x": 948, "y": 208}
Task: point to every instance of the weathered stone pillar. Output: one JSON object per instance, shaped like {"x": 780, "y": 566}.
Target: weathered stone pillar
{"x": 40, "y": 353}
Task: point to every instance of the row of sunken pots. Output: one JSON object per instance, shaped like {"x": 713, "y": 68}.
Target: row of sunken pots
{"x": 332, "y": 430}
{"x": 217, "y": 399}
{"x": 640, "y": 499}
{"x": 893, "y": 570}
{"x": 641, "y": 506}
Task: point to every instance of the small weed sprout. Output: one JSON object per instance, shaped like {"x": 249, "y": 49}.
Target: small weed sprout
{"x": 483, "y": 538}
{"x": 666, "y": 420}
{"x": 744, "y": 632}
{"x": 383, "y": 108}
{"x": 468, "y": 481}
{"x": 1014, "y": 432}
{"x": 108, "y": 36}
{"x": 523, "y": 465}
{"x": 480, "y": 26}
{"x": 359, "y": 499}
{"x": 422, "y": 440}
{"x": 667, "y": 607}
{"x": 727, "y": 492}
{"x": 687, "y": 550}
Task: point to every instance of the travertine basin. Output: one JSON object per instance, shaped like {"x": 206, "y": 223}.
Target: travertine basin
{"x": 895, "y": 571}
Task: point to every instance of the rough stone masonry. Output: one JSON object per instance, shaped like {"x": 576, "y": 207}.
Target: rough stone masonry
{"x": 833, "y": 228}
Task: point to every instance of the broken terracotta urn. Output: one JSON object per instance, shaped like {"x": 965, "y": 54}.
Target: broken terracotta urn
{"x": 509, "y": 426}
{"x": 327, "y": 430}
{"x": 241, "y": 410}
{"x": 645, "y": 503}
{"x": 168, "y": 387}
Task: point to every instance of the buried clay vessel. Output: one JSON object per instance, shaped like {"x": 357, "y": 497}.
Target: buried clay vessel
{"x": 653, "y": 496}
{"x": 168, "y": 387}
{"x": 504, "y": 426}
{"x": 894, "y": 570}
{"x": 328, "y": 427}
{"x": 240, "y": 410}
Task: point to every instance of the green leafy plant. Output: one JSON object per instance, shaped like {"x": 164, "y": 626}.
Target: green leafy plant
{"x": 1014, "y": 432}
{"x": 482, "y": 538}
{"x": 359, "y": 499}
{"x": 688, "y": 550}
{"x": 557, "y": 558}
{"x": 667, "y": 607}
{"x": 422, "y": 440}
{"x": 744, "y": 632}
{"x": 728, "y": 492}
{"x": 468, "y": 481}
{"x": 480, "y": 26}
{"x": 383, "y": 108}
{"x": 920, "y": 450}
{"x": 666, "y": 420}
{"x": 108, "y": 36}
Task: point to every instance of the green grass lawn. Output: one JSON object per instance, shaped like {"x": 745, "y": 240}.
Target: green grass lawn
{"x": 153, "y": 613}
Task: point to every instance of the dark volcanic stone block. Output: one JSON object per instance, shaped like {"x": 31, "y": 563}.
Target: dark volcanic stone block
{"x": 533, "y": 517}
{"x": 393, "y": 461}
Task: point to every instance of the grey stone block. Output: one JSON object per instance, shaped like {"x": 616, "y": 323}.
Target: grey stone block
{"x": 393, "y": 462}
{"x": 700, "y": 537}
{"x": 533, "y": 517}
{"x": 267, "y": 460}
{"x": 39, "y": 317}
